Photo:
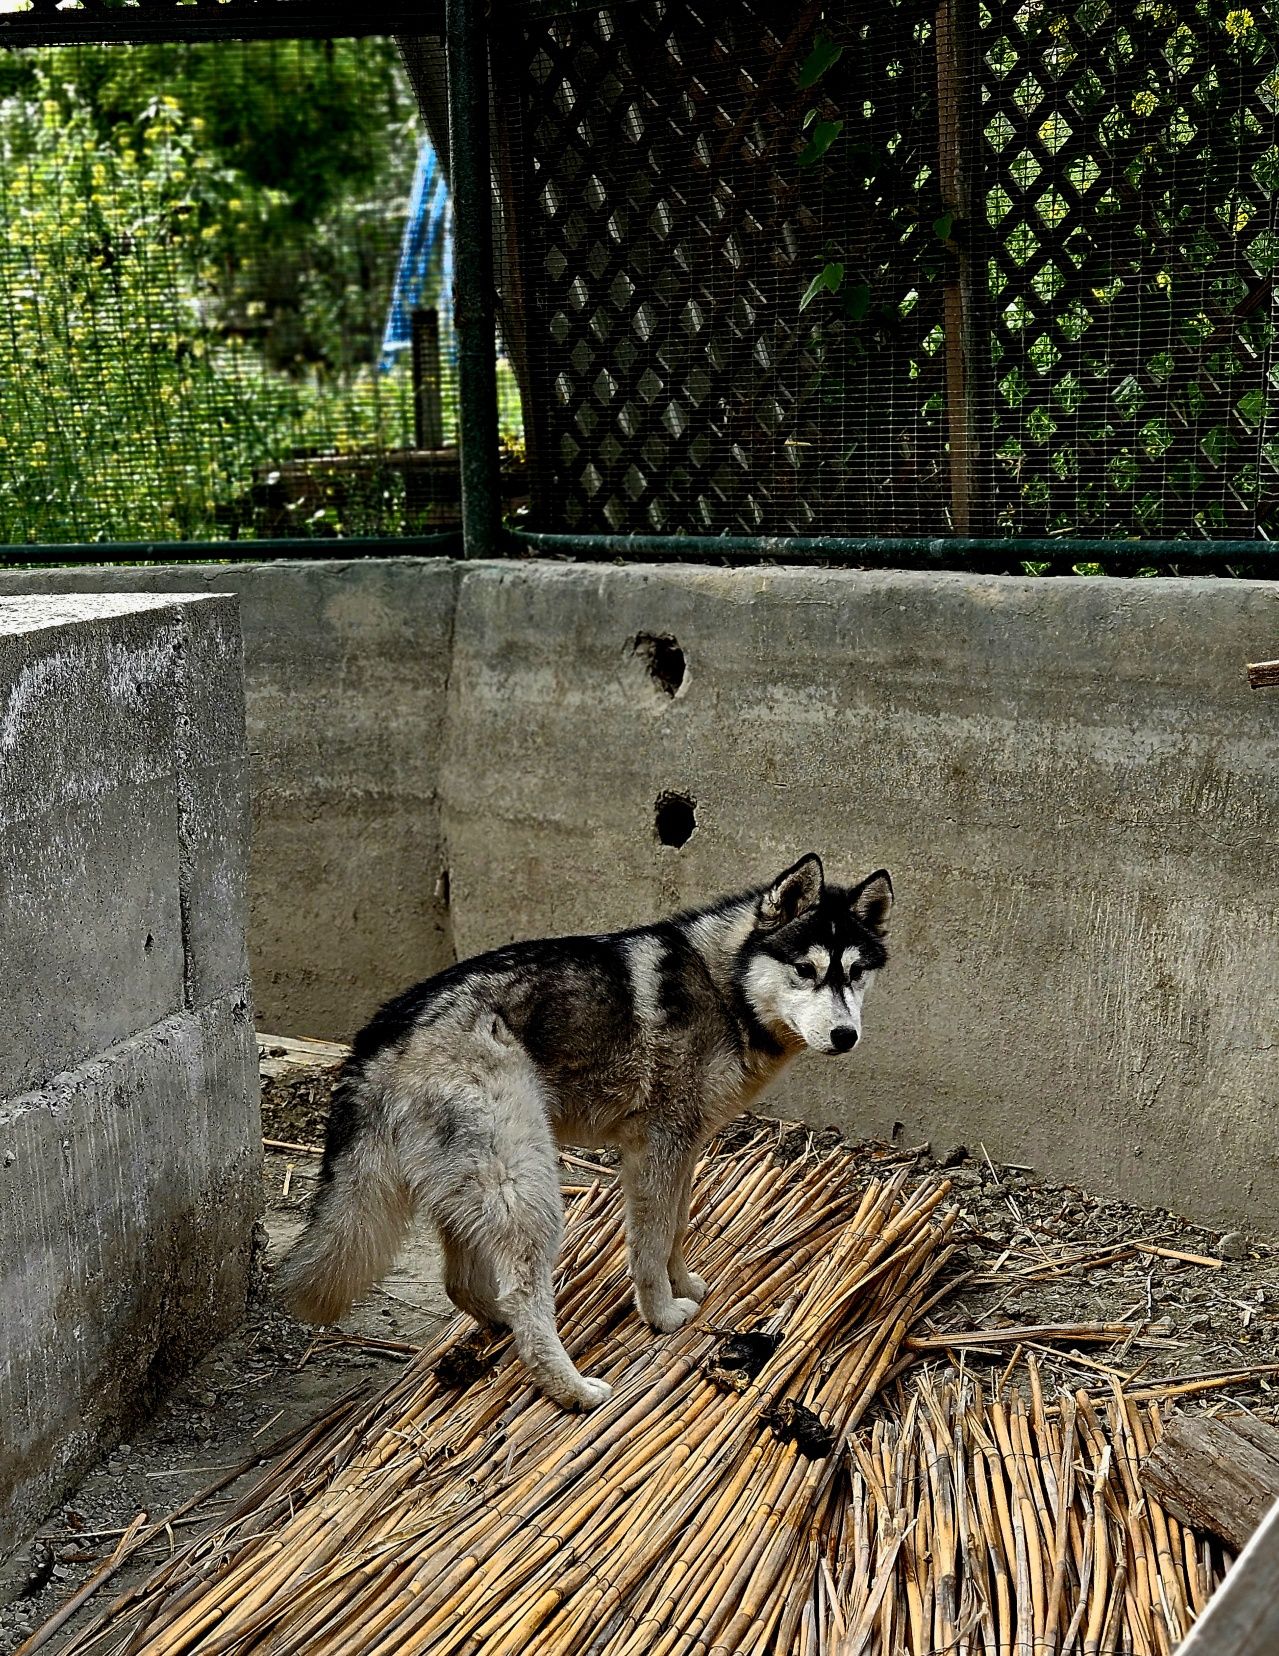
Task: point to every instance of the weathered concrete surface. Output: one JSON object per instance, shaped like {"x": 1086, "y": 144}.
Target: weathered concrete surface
{"x": 1074, "y": 788}
{"x": 213, "y": 801}
{"x": 1070, "y": 780}
{"x": 88, "y": 852}
{"x": 128, "y": 1191}
{"x": 129, "y": 1151}
{"x": 345, "y": 670}
{"x": 117, "y": 715}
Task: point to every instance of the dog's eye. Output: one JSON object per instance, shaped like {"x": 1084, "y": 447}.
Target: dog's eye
{"x": 857, "y": 974}
{"x": 806, "y": 970}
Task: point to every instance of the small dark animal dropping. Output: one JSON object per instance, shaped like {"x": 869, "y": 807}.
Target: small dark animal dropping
{"x": 739, "y": 1357}
{"x": 675, "y": 817}
{"x": 664, "y": 659}
{"x": 149, "y": 944}
{"x": 748, "y": 1351}
{"x": 795, "y": 1424}
{"x": 464, "y": 1364}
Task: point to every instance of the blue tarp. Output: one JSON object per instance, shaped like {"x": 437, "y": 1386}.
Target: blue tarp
{"x": 428, "y": 229}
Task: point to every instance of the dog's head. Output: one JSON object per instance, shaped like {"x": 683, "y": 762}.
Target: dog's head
{"x": 814, "y": 952}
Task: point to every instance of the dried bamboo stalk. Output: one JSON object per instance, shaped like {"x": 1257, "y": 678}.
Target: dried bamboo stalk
{"x": 746, "y": 1512}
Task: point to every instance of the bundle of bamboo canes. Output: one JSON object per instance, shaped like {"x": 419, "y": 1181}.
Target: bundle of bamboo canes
{"x": 992, "y": 1527}
{"x": 680, "y": 1514}
{"x": 721, "y": 1501}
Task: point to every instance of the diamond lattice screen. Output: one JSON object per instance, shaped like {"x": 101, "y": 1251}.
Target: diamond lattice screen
{"x": 1055, "y": 235}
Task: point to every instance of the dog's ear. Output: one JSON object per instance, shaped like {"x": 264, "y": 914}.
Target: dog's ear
{"x": 792, "y": 893}
{"x": 872, "y": 901}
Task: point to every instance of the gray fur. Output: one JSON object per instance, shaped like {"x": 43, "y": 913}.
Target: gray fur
{"x": 457, "y": 1093}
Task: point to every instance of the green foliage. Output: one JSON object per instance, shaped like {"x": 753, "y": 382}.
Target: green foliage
{"x": 820, "y": 139}
{"x": 1118, "y": 248}
{"x": 824, "y": 55}
{"x": 323, "y": 131}
{"x": 827, "y": 280}
{"x": 136, "y": 401}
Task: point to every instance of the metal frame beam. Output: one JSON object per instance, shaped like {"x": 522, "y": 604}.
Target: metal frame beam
{"x": 446, "y": 544}
{"x": 474, "y": 284}
{"x": 903, "y": 552}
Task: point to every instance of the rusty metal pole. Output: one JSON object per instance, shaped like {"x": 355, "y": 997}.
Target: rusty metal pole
{"x": 967, "y": 340}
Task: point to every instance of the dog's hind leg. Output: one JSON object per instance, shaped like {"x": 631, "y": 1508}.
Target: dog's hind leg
{"x": 469, "y": 1280}
{"x": 494, "y": 1194}
{"x": 513, "y": 1226}
{"x": 528, "y": 1305}
{"x": 656, "y": 1182}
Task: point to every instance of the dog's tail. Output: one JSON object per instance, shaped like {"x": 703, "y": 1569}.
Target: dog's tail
{"x": 360, "y": 1215}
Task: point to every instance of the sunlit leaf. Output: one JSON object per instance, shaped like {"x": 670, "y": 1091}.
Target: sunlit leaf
{"x": 827, "y": 280}
{"x": 824, "y": 135}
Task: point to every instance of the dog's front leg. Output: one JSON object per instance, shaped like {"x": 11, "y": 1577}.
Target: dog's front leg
{"x": 656, "y": 1182}
{"x": 685, "y": 1284}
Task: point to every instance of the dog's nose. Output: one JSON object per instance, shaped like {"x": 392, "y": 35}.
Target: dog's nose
{"x": 843, "y": 1039}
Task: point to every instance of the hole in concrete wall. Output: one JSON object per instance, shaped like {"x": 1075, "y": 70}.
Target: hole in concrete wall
{"x": 663, "y": 659}
{"x": 168, "y": 1363}
{"x": 675, "y": 818}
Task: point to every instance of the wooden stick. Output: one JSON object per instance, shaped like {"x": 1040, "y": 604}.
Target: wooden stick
{"x": 125, "y": 1549}
{"x": 1193, "y": 1385}
{"x": 1176, "y": 1253}
{"x": 1262, "y": 674}
{"x": 1083, "y": 1332}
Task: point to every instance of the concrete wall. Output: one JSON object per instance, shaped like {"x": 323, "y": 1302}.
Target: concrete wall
{"x": 129, "y": 1145}
{"x": 1074, "y": 788}
{"x": 1070, "y": 780}
{"x": 345, "y": 670}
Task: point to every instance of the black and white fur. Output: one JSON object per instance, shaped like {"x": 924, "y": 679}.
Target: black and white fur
{"x": 456, "y": 1094}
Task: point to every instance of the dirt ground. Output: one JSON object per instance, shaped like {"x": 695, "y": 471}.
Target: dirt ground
{"x": 1033, "y": 1253}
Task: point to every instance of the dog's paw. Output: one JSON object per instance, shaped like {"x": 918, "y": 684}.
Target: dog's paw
{"x": 592, "y": 1393}
{"x": 691, "y": 1286}
{"x": 667, "y": 1318}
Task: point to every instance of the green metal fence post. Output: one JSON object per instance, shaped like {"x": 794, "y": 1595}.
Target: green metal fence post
{"x": 474, "y": 288}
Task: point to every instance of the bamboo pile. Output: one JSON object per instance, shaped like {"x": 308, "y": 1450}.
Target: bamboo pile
{"x": 1005, "y": 1526}
{"x": 722, "y": 1500}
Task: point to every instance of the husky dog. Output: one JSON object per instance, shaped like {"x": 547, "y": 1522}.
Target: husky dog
{"x": 456, "y": 1094}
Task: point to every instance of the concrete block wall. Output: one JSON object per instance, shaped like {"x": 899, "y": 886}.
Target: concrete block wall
{"x": 129, "y": 1144}
{"x": 1070, "y": 780}
{"x": 345, "y": 669}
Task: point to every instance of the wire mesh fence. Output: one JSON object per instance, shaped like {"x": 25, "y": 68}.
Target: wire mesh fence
{"x": 983, "y": 267}
{"x": 1040, "y": 240}
{"x": 200, "y": 245}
